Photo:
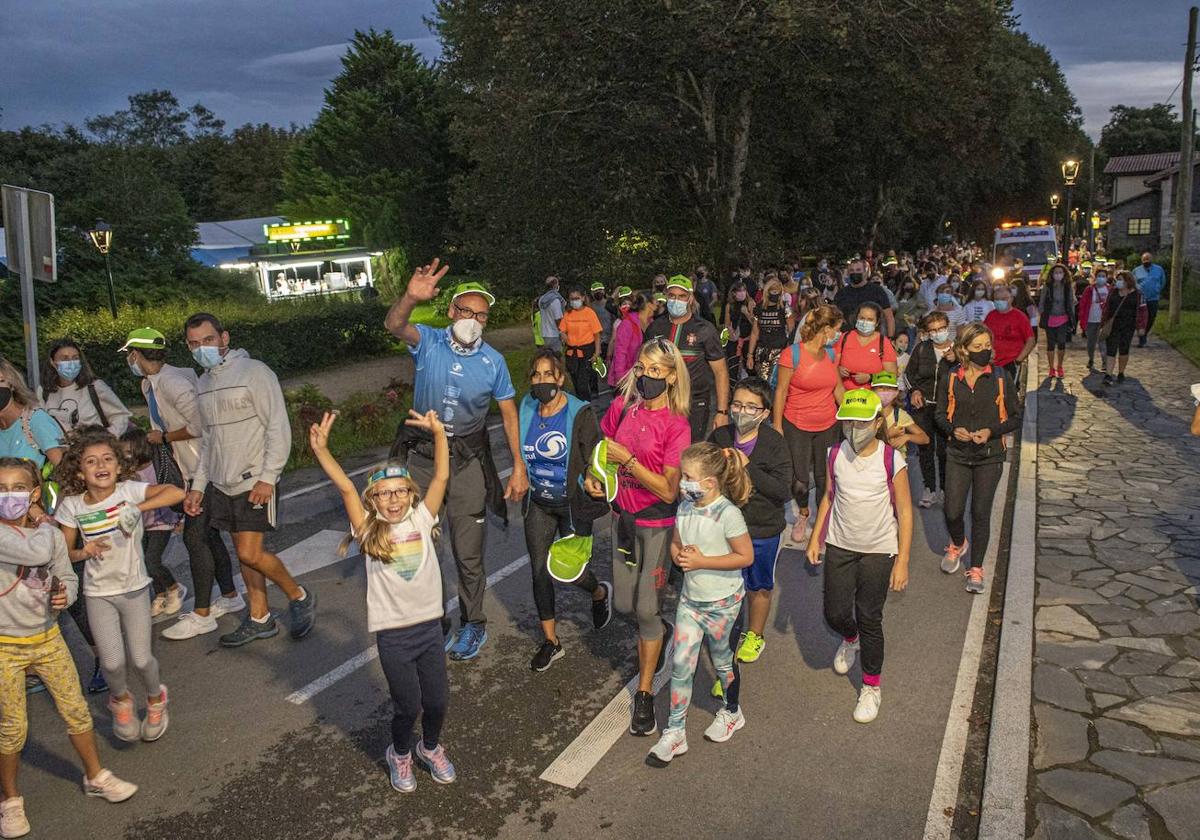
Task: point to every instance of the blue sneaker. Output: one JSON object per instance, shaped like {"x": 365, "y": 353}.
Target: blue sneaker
{"x": 97, "y": 685}
{"x": 250, "y": 630}
{"x": 304, "y": 614}
{"x": 451, "y": 638}
{"x": 400, "y": 768}
{"x": 470, "y": 639}
{"x": 34, "y": 684}
{"x": 436, "y": 762}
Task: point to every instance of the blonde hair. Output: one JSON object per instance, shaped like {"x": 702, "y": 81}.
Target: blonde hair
{"x": 21, "y": 392}
{"x": 824, "y": 316}
{"x": 969, "y": 333}
{"x": 375, "y": 535}
{"x": 711, "y": 461}
{"x": 660, "y": 351}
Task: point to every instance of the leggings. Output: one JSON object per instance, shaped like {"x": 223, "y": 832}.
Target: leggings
{"x": 1094, "y": 339}
{"x": 638, "y": 588}
{"x": 154, "y": 545}
{"x": 809, "y": 450}
{"x": 208, "y": 558}
{"x": 582, "y": 373}
{"x": 981, "y": 481}
{"x": 719, "y": 622}
{"x": 414, "y": 662}
{"x": 856, "y": 586}
{"x": 932, "y": 456}
{"x": 1056, "y": 337}
{"x": 542, "y": 525}
{"x": 121, "y": 625}
{"x": 1119, "y": 341}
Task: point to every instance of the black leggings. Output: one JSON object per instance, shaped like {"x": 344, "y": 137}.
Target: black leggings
{"x": 414, "y": 662}
{"x": 582, "y": 374}
{"x": 208, "y": 558}
{"x": 856, "y": 586}
{"x": 542, "y": 526}
{"x": 1056, "y": 337}
{"x": 980, "y": 480}
{"x": 932, "y": 456}
{"x": 1119, "y": 341}
{"x": 809, "y": 450}
{"x": 154, "y": 545}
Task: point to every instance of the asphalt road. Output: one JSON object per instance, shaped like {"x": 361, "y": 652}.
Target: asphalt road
{"x": 242, "y": 761}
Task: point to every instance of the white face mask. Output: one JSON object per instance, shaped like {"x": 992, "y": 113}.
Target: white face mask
{"x": 466, "y": 332}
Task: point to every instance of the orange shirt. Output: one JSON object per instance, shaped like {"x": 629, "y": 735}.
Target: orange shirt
{"x": 581, "y": 327}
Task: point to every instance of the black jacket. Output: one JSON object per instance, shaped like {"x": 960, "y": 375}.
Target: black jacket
{"x": 924, "y": 370}
{"x": 975, "y": 410}
{"x": 770, "y": 469}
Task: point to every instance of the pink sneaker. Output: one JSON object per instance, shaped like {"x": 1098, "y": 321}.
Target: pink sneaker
{"x": 155, "y": 724}
{"x": 952, "y": 559}
{"x": 800, "y": 529}
{"x": 125, "y": 721}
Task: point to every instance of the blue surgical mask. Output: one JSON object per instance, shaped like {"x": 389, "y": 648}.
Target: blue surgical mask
{"x": 1120, "y": 284}
{"x": 865, "y": 327}
{"x": 69, "y": 370}
{"x": 1101, "y": 280}
{"x": 1002, "y": 305}
{"x": 677, "y": 308}
{"x": 945, "y": 298}
{"x": 136, "y": 369}
{"x": 939, "y": 336}
{"x": 208, "y": 356}
{"x": 691, "y": 489}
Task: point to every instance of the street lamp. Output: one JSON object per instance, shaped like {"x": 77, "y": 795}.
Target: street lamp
{"x": 1070, "y": 171}
{"x": 101, "y": 236}
{"x": 1054, "y": 206}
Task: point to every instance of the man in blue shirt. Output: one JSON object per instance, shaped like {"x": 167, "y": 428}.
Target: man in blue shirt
{"x": 458, "y": 375}
{"x": 1150, "y": 279}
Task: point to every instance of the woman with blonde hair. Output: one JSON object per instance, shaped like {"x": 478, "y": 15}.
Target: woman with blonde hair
{"x": 772, "y": 325}
{"x": 26, "y": 430}
{"x": 647, "y": 430}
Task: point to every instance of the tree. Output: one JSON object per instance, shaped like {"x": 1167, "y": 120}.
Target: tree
{"x": 247, "y": 178}
{"x": 1139, "y": 131}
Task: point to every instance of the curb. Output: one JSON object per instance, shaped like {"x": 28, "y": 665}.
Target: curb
{"x": 1002, "y": 813}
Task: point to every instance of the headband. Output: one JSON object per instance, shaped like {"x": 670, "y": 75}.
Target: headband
{"x": 387, "y": 472}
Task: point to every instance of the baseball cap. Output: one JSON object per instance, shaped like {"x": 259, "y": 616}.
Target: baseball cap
{"x": 144, "y": 338}
{"x": 568, "y": 557}
{"x": 679, "y": 281}
{"x": 859, "y": 404}
{"x": 884, "y": 379}
{"x": 597, "y": 287}
{"x": 603, "y": 471}
{"x": 624, "y": 291}
{"x": 600, "y": 368}
{"x": 472, "y": 288}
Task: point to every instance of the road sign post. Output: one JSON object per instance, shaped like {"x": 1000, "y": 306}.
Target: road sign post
{"x": 29, "y": 230}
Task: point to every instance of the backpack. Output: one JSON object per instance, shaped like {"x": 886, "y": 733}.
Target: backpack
{"x": 773, "y": 379}
{"x": 951, "y": 401}
{"x": 889, "y": 468}
{"x": 536, "y": 320}
{"x": 49, "y": 487}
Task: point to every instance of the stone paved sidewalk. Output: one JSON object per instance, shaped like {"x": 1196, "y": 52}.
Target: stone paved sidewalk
{"x": 1116, "y": 679}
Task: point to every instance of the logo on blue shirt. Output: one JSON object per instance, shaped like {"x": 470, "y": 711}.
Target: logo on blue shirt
{"x": 551, "y": 446}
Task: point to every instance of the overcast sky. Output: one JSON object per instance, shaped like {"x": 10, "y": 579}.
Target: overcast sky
{"x": 268, "y": 62}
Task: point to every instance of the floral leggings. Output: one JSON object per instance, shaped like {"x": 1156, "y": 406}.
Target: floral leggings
{"x": 720, "y": 622}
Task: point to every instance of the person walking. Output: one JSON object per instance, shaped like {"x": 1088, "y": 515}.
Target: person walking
{"x": 1151, "y": 280}
{"x": 605, "y": 314}
{"x": 772, "y": 326}
{"x": 1125, "y": 312}
{"x": 976, "y": 407}
{"x": 458, "y": 374}
{"x": 246, "y": 438}
{"x": 627, "y": 336}
{"x": 72, "y": 394}
{"x": 852, "y": 296}
{"x": 551, "y": 308}
{"x": 864, "y": 351}
{"x": 739, "y": 323}
{"x": 1090, "y": 316}
{"x": 1011, "y": 334}
{"x": 1057, "y": 304}
{"x": 581, "y": 337}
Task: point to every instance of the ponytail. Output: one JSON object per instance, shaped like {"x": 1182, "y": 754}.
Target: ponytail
{"x": 723, "y": 465}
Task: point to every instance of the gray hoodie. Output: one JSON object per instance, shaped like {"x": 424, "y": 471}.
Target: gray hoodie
{"x": 29, "y": 558}
{"x": 247, "y": 435}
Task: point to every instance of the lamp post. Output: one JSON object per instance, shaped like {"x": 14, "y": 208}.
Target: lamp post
{"x": 101, "y": 236}
{"x": 1054, "y": 207}
{"x": 1070, "y": 171}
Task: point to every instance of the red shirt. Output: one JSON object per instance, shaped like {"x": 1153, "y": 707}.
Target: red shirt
{"x": 857, "y": 357}
{"x": 810, "y": 405}
{"x": 1010, "y": 331}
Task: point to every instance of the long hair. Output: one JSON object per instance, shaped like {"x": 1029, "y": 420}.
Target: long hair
{"x": 711, "y": 461}
{"x": 824, "y": 316}
{"x": 375, "y": 534}
{"x": 35, "y": 480}
{"x": 50, "y": 372}
{"x": 69, "y": 472}
{"x": 659, "y": 351}
{"x": 22, "y": 394}
{"x": 969, "y": 333}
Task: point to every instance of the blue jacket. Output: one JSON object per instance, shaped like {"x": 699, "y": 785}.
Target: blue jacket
{"x": 583, "y": 433}
{"x": 1150, "y": 281}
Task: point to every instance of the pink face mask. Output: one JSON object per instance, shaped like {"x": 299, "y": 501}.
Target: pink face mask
{"x": 887, "y": 396}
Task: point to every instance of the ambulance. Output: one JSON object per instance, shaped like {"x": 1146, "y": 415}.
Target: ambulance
{"x": 1033, "y": 243}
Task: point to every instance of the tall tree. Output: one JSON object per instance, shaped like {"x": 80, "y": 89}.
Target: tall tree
{"x": 1138, "y": 131}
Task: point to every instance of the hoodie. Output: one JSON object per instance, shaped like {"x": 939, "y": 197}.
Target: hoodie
{"x": 29, "y": 558}
{"x": 247, "y": 434}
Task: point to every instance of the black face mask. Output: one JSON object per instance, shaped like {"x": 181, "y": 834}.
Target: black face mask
{"x": 1146, "y": 263}
{"x": 980, "y": 358}
{"x": 544, "y": 392}
{"x": 856, "y": 278}
{"x": 660, "y": 286}
{"x": 5, "y": 397}
{"x": 774, "y": 296}
{"x": 650, "y": 388}
{"x": 597, "y": 295}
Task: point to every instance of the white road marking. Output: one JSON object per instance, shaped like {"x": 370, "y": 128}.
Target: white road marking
{"x": 351, "y": 665}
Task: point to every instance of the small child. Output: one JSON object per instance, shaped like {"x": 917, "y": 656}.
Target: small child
{"x": 36, "y": 583}
{"x": 397, "y": 533}
{"x": 101, "y": 503}
{"x": 712, "y": 545}
{"x": 899, "y": 427}
{"x": 157, "y": 524}
{"x": 901, "y": 343}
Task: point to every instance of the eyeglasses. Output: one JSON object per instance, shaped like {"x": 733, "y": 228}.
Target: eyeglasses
{"x": 481, "y": 317}
{"x": 745, "y": 408}
{"x": 397, "y": 493}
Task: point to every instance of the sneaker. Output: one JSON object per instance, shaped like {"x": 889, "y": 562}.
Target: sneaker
{"x": 436, "y": 762}
{"x": 641, "y": 721}
{"x": 108, "y": 787}
{"x": 843, "y": 660}
{"x": 1120, "y": 378}
{"x": 400, "y": 768}
{"x": 672, "y": 743}
{"x": 155, "y": 724}
{"x": 452, "y": 639}
{"x": 1108, "y": 380}
{"x": 34, "y": 684}
{"x": 158, "y": 605}
{"x": 751, "y": 647}
{"x": 800, "y": 529}
{"x": 12, "y": 818}
{"x": 668, "y": 634}
{"x": 975, "y": 581}
{"x": 602, "y": 609}
{"x": 952, "y": 559}
{"x": 546, "y": 655}
{"x": 724, "y": 725}
{"x": 927, "y": 499}
{"x": 126, "y": 725}
{"x": 867, "y": 708}
{"x": 304, "y": 614}
{"x": 249, "y": 631}
{"x": 97, "y": 684}
{"x": 174, "y": 599}
{"x": 189, "y": 626}
{"x": 1091, "y": 364}
{"x": 1142, "y": 341}
{"x": 225, "y": 606}
{"x": 470, "y": 639}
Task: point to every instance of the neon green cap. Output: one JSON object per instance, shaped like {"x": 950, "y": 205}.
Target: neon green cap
{"x": 624, "y": 291}
{"x": 603, "y": 471}
{"x": 144, "y": 338}
{"x": 568, "y": 557}
{"x": 600, "y": 368}
{"x": 679, "y": 281}
{"x": 473, "y": 288}
{"x": 884, "y": 379}
{"x": 597, "y": 286}
{"x": 859, "y": 404}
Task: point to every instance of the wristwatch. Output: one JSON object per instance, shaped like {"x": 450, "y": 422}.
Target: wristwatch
{"x": 722, "y": 411}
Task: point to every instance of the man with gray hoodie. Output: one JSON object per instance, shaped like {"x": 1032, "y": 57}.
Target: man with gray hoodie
{"x": 245, "y": 445}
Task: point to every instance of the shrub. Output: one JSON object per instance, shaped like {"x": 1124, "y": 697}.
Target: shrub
{"x": 365, "y": 420}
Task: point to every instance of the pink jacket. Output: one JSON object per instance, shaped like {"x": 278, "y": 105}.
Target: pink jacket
{"x": 627, "y": 341}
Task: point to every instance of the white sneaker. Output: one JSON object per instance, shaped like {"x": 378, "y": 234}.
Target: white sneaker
{"x": 843, "y": 660}
{"x": 158, "y": 606}
{"x": 672, "y": 743}
{"x": 109, "y": 787}
{"x": 940, "y": 498}
{"x": 724, "y": 725}
{"x": 189, "y": 626}
{"x": 12, "y": 818}
{"x": 927, "y": 499}
{"x": 174, "y": 599}
{"x": 868, "y": 703}
{"x": 225, "y": 606}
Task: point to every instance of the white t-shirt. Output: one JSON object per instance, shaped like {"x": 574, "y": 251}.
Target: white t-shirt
{"x": 977, "y": 310}
{"x": 710, "y": 528}
{"x": 122, "y": 568}
{"x": 1096, "y": 310}
{"x": 407, "y": 588}
{"x": 862, "y": 519}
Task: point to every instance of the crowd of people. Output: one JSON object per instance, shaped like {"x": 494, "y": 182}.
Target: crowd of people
{"x": 801, "y": 389}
